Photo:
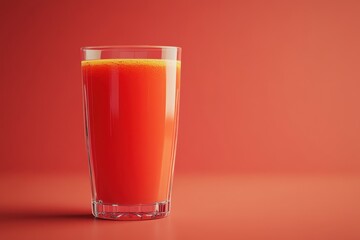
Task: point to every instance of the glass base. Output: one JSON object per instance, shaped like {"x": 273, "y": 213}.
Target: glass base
{"x": 130, "y": 212}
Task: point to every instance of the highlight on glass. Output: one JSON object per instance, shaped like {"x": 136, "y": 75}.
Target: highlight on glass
{"x": 131, "y": 107}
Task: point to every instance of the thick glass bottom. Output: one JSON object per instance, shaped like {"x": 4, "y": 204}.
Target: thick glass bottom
{"x": 130, "y": 212}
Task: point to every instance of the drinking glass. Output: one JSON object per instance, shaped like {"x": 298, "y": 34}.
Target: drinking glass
{"x": 131, "y": 107}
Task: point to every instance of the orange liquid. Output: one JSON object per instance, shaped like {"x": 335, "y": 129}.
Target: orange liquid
{"x": 131, "y": 107}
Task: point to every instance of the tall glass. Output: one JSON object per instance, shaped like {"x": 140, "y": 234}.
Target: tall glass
{"x": 131, "y": 106}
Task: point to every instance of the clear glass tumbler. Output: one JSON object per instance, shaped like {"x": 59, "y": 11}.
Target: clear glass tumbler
{"x": 131, "y": 106}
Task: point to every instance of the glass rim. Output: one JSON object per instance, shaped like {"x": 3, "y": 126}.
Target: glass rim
{"x": 127, "y": 47}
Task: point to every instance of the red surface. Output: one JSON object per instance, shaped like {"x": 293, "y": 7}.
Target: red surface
{"x": 132, "y": 109}
{"x": 204, "y": 206}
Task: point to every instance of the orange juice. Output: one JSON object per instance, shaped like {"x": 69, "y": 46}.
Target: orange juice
{"x": 131, "y": 107}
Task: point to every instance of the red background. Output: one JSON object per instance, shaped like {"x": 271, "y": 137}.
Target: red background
{"x": 267, "y": 86}
{"x": 269, "y": 138}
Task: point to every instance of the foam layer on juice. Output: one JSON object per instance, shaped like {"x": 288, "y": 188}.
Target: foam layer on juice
{"x": 130, "y": 62}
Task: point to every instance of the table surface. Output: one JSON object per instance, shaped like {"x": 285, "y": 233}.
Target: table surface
{"x": 204, "y": 206}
